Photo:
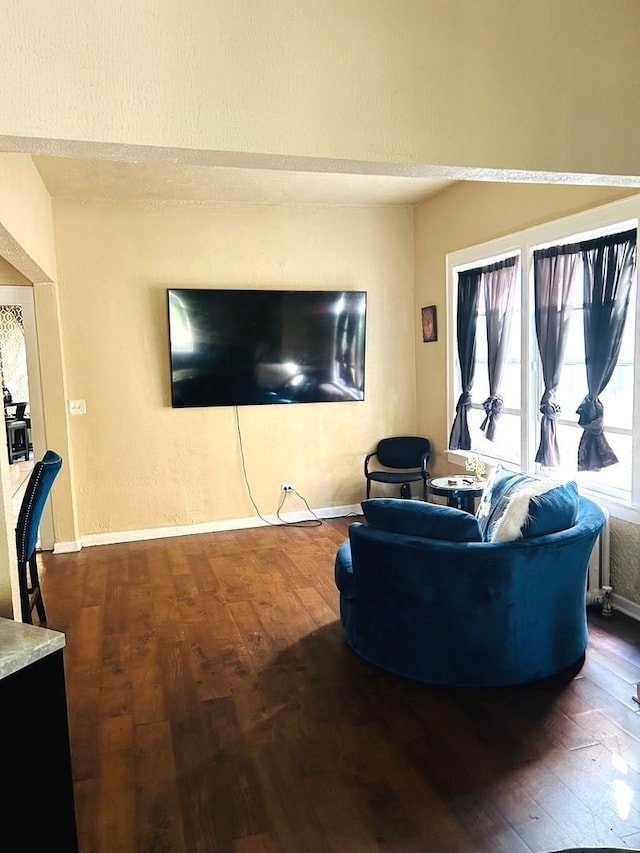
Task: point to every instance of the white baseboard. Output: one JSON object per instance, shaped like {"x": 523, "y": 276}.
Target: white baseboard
{"x": 116, "y": 537}
{"x": 624, "y": 605}
{"x": 67, "y": 547}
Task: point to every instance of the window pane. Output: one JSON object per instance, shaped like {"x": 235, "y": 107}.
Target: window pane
{"x": 507, "y": 443}
{"x": 615, "y": 478}
{"x": 511, "y": 382}
{"x": 510, "y": 386}
{"x": 572, "y": 390}
{"x": 617, "y": 398}
{"x": 480, "y": 390}
{"x": 573, "y": 378}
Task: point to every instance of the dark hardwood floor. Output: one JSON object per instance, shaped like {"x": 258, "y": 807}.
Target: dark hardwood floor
{"x": 214, "y": 706}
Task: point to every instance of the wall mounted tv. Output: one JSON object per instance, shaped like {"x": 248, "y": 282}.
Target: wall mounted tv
{"x": 255, "y": 347}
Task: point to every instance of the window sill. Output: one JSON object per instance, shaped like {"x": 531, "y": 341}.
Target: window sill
{"x": 617, "y": 508}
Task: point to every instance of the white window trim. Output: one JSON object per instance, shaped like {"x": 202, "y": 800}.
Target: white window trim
{"x": 619, "y": 214}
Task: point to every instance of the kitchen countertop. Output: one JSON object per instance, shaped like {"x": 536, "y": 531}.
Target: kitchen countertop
{"x": 22, "y": 645}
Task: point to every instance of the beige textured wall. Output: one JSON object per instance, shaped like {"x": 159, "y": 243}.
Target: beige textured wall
{"x": 10, "y": 275}
{"x": 625, "y": 559}
{"x": 537, "y": 85}
{"x": 26, "y": 224}
{"x": 140, "y": 464}
{"x": 54, "y": 401}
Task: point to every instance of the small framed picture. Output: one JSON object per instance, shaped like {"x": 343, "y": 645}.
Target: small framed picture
{"x": 429, "y": 324}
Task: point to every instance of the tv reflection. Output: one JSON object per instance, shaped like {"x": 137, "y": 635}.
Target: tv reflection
{"x": 302, "y": 380}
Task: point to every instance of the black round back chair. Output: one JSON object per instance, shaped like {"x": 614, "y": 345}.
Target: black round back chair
{"x": 403, "y": 459}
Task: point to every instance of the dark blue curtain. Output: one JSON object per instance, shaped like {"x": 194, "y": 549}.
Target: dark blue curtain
{"x": 609, "y": 267}
{"x": 466, "y": 321}
{"x": 499, "y": 287}
{"x": 553, "y": 271}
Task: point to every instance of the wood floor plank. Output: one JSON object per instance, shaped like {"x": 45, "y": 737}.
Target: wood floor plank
{"x": 617, "y": 665}
{"x": 214, "y": 705}
{"x": 266, "y": 842}
{"x": 574, "y": 818}
{"x": 215, "y": 664}
{"x": 236, "y": 782}
{"x": 600, "y": 785}
{"x": 193, "y": 755}
{"x": 430, "y": 812}
{"x": 115, "y": 794}
{"x": 116, "y": 691}
{"x": 96, "y": 577}
{"x": 623, "y": 745}
{"x": 83, "y": 703}
{"x": 158, "y": 815}
{"x": 289, "y": 809}
{"x": 116, "y": 598}
{"x": 84, "y": 799}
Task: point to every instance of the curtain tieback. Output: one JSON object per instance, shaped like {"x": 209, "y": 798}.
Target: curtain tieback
{"x": 464, "y": 402}
{"x": 548, "y": 406}
{"x": 591, "y": 415}
{"x": 493, "y": 406}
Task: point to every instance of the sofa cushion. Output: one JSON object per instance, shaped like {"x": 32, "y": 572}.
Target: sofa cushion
{"x": 417, "y": 518}
{"x": 516, "y": 505}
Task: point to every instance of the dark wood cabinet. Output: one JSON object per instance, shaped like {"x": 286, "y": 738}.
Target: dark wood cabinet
{"x": 38, "y": 798}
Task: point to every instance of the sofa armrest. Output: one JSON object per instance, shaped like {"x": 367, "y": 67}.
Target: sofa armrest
{"x": 344, "y": 570}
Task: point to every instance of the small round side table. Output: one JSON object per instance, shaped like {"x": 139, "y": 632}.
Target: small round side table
{"x": 460, "y": 491}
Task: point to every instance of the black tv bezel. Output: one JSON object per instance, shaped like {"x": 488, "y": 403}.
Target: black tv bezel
{"x": 262, "y": 290}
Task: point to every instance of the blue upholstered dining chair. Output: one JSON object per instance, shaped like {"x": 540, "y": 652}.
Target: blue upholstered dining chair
{"x": 44, "y": 473}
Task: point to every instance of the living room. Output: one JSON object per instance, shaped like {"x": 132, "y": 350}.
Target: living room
{"x": 116, "y": 257}
{"x": 372, "y": 91}
{"x": 102, "y": 292}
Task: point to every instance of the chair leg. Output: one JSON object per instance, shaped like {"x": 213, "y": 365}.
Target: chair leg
{"x": 24, "y": 593}
{"x": 368, "y": 488}
{"x": 36, "y": 591}
{"x": 405, "y": 491}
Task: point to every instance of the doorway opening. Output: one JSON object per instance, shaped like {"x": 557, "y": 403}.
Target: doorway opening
{"x": 15, "y": 390}
{"x": 20, "y": 373}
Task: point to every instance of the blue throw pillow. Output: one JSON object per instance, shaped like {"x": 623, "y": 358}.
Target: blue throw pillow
{"x": 417, "y": 518}
{"x": 552, "y": 511}
{"x": 516, "y": 505}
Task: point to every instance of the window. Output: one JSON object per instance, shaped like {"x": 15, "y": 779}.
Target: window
{"x": 518, "y": 434}
{"x": 617, "y": 400}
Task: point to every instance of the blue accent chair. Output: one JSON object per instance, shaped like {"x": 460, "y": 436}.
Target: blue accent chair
{"x": 467, "y": 613}
{"x": 44, "y": 473}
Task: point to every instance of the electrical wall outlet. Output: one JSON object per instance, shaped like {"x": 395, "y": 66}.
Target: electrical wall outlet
{"x": 77, "y": 407}
{"x": 287, "y": 487}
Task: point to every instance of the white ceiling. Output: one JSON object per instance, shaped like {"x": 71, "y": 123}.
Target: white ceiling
{"x": 91, "y": 179}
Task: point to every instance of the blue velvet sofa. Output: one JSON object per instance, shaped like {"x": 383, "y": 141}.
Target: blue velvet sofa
{"x": 440, "y": 605}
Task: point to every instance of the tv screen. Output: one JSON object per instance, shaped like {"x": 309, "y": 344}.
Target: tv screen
{"x": 254, "y": 347}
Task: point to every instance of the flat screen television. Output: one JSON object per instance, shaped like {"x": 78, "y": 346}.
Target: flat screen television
{"x": 255, "y": 347}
